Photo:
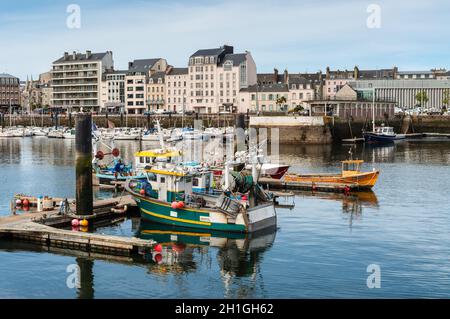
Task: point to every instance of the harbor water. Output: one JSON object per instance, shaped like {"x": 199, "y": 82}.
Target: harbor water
{"x": 326, "y": 246}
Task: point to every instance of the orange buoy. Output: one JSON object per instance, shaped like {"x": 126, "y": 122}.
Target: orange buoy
{"x": 142, "y": 192}
{"x": 26, "y": 202}
{"x": 158, "y": 248}
{"x": 84, "y": 223}
{"x": 180, "y": 204}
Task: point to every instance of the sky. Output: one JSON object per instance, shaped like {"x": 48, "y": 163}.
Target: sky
{"x": 297, "y": 35}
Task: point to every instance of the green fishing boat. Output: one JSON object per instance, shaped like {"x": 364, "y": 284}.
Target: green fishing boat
{"x": 167, "y": 197}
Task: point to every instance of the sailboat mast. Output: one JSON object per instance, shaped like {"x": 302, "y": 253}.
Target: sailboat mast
{"x": 10, "y": 113}
{"x": 373, "y": 110}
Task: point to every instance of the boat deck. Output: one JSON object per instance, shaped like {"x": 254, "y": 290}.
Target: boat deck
{"x": 270, "y": 183}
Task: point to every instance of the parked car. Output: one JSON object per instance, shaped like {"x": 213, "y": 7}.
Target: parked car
{"x": 149, "y": 113}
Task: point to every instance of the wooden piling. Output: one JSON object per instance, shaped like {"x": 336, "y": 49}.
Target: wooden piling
{"x": 240, "y": 133}
{"x": 83, "y": 153}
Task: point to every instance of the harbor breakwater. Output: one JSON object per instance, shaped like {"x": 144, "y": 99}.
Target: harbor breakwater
{"x": 295, "y": 129}
{"x": 343, "y": 129}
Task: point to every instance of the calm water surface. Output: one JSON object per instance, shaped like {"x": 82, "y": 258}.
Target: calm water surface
{"x": 322, "y": 247}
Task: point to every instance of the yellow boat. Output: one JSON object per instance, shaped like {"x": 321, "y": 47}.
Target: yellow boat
{"x": 350, "y": 175}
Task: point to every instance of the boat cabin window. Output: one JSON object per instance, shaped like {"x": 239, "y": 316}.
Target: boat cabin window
{"x": 196, "y": 181}
{"x": 350, "y": 166}
{"x": 163, "y": 179}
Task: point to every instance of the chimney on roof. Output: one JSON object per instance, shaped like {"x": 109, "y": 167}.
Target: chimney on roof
{"x": 328, "y": 73}
{"x": 286, "y": 76}
{"x": 356, "y": 73}
{"x": 228, "y": 49}
{"x": 169, "y": 69}
{"x": 275, "y": 75}
{"x": 130, "y": 65}
{"x": 66, "y": 55}
{"x": 74, "y": 55}
{"x": 88, "y": 54}
{"x": 394, "y": 74}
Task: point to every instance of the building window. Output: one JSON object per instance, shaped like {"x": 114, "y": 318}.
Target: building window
{"x": 228, "y": 66}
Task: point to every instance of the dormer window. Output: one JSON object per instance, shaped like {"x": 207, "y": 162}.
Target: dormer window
{"x": 228, "y": 65}
{"x": 151, "y": 81}
{"x": 294, "y": 86}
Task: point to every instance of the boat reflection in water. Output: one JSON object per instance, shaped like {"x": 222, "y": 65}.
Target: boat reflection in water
{"x": 352, "y": 204}
{"x": 238, "y": 254}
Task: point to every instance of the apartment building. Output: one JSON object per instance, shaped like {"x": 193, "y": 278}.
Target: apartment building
{"x": 216, "y": 76}
{"x": 156, "y": 91}
{"x": 77, "y": 80}
{"x": 335, "y": 80}
{"x": 9, "y": 92}
{"x": 113, "y": 91}
{"x": 264, "y": 97}
{"x": 177, "y": 80}
{"x": 136, "y": 80}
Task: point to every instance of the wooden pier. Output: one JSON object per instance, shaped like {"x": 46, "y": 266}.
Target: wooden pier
{"x": 37, "y": 227}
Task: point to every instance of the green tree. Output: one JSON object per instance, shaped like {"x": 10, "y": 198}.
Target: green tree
{"x": 445, "y": 99}
{"x": 421, "y": 98}
{"x": 281, "y": 100}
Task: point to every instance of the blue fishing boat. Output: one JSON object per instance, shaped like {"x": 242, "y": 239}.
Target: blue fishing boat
{"x": 383, "y": 134}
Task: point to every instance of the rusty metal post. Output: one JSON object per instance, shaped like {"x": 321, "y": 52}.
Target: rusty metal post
{"x": 83, "y": 162}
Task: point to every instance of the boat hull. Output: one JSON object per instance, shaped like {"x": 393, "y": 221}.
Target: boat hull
{"x": 276, "y": 172}
{"x": 380, "y": 138}
{"x": 260, "y": 217}
{"x": 362, "y": 180}
{"x": 161, "y": 212}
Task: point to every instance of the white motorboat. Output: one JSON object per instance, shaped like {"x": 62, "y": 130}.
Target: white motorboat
{"x": 69, "y": 134}
{"x": 155, "y": 136}
{"x": 127, "y": 134}
{"x": 213, "y": 132}
{"x": 56, "y": 133}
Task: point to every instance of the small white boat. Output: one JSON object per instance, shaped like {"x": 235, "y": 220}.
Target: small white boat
{"x": 213, "y": 132}
{"x": 39, "y": 131}
{"x": 56, "y": 133}
{"x": 69, "y": 134}
{"x": 155, "y": 136}
{"x": 6, "y": 133}
{"x": 127, "y": 134}
{"x": 193, "y": 135}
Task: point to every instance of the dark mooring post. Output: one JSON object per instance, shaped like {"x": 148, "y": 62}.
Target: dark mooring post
{"x": 240, "y": 133}
{"x": 2, "y": 120}
{"x": 121, "y": 119}
{"x": 148, "y": 121}
{"x": 83, "y": 149}
{"x": 56, "y": 120}
{"x": 86, "y": 290}
{"x": 70, "y": 119}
